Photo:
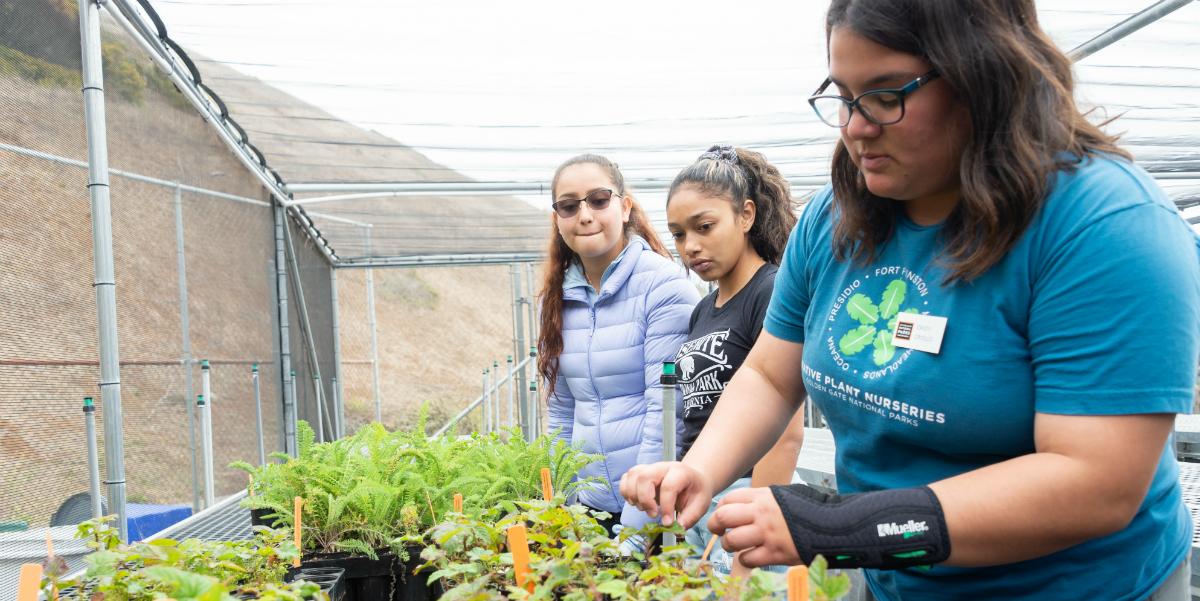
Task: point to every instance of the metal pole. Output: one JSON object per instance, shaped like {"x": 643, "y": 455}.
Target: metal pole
{"x": 336, "y": 416}
{"x": 1135, "y": 22}
{"x": 474, "y": 188}
{"x": 206, "y": 430}
{"x": 294, "y": 416}
{"x": 206, "y": 448}
{"x": 531, "y": 370}
{"x": 518, "y": 333}
{"x": 487, "y": 419}
{"x": 188, "y": 386}
{"x": 511, "y": 393}
{"x": 287, "y": 376}
{"x": 668, "y": 380}
{"x": 45, "y": 156}
{"x": 524, "y": 415}
{"x": 534, "y": 429}
{"x": 529, "y": 400}
{"x": 496, "y": 383}
{"x": 279, "y": 434}
{"x": 492, "y": 400}
{"x": 89, "y": 420}
{"x": 306, "y": 329}
{"x": 442, "y": 260}
{"x": 102, "y": 257}
{"x": 339, "y": 415}
{"x": 494, "y": 396}
{"x": 531, "y": 305}
{"x": 515, "y": 290}
{"x": 374, "y": 334}
{"x": 262, "y": 448}
{"x": 320, "y": 413}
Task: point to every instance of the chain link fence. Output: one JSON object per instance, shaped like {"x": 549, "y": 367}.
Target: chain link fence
{"x": 436, "y": 330}
{"x": 195, "y": 253}
{"x": 194, "y": 261}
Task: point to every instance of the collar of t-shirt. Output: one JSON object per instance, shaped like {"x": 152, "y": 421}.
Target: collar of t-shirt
{"x": 763, "y": 271}
{"x": 575, "y": 277}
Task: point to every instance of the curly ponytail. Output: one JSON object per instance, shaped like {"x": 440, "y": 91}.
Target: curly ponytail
{"x": 738, "y": 174}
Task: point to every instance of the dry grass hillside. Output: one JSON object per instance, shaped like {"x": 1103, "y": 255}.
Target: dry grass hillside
{"x": 437, "y": 327}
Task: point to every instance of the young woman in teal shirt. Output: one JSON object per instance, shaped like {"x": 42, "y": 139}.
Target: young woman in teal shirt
{"x": 999, "y": 316}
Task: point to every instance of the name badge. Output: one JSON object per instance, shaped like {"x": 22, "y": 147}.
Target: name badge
{"x": 919, "y": 332}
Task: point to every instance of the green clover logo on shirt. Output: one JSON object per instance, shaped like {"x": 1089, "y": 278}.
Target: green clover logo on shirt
{"x": 872, "y": 316}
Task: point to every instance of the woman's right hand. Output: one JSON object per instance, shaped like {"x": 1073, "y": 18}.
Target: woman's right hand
{"x": 669, "y": 488}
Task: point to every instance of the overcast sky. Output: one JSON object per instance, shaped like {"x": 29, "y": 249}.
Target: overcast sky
{"x": 506, "y": 90}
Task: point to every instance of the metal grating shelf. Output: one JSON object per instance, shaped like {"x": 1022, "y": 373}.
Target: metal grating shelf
{"x": 29, "y": 546}
{"x": 224, "y": 521}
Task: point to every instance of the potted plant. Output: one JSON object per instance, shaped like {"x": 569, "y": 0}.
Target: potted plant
{"x": 368, "y": 498}
{"x": 183, "y": 570}
{"x": 573, "y": 559}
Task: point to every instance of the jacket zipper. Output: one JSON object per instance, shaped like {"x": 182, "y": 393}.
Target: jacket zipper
{"x": 599, "y": 407}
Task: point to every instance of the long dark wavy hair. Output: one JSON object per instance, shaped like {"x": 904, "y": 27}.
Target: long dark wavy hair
{"x": 1016, "y": 85}
{"x": 559, "y": 257}
{"x": 739, "y": 174}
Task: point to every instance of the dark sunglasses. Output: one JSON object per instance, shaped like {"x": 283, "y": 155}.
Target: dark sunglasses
{"x": 597, "y": 200}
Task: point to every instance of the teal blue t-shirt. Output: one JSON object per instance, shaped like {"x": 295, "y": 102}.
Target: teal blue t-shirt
{"x": 1094, "y": 311}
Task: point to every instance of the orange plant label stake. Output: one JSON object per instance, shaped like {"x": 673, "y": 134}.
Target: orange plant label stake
{"x": 797, "y": 580}
{"x": 707, "y": 548}
{"x": 547, "y": 487}
{"x": 30, "y": 582}
{"x": 518, "y": 544}
{"x": 457, "y": 502}
{"x": 299, "y": 502}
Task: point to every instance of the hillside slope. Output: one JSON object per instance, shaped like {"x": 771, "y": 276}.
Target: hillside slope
{"x": 437, "y": 327}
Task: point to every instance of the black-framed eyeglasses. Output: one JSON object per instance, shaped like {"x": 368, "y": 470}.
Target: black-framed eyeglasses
{"x": 884, "y": 106}
{"x": 597, "y": 200}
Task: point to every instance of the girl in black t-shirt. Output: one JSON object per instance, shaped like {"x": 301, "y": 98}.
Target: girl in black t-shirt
{"x": 730, "y": 214}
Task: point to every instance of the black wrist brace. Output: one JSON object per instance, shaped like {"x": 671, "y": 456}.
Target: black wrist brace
{"x": 888, "y": 529}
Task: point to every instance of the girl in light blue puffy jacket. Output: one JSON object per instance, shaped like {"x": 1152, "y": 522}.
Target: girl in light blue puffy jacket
{"x": 614, "y": 307}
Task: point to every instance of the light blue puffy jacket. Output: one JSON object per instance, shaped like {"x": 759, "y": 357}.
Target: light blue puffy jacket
{"x": 607, "y": 398}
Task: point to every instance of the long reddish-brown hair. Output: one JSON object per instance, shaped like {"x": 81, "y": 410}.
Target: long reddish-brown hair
{"x": 559, "y": 257}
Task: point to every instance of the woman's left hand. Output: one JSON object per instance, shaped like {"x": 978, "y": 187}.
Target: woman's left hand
{"x": 749, "y": 520}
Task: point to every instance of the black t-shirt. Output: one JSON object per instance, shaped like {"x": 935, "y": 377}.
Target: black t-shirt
{"x": 718, "y": 341}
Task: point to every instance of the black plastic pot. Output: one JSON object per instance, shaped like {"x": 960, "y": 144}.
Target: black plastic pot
{"x": 416, "y": 586}
{"x": 258, "y": 517}
{"x": 383, "y": 579}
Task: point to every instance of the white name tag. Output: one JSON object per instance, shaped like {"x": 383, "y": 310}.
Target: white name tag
{"x": 919, "y": 332}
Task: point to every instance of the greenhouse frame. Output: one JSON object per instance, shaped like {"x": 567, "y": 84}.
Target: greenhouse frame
{"x": 294, "y": 279}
